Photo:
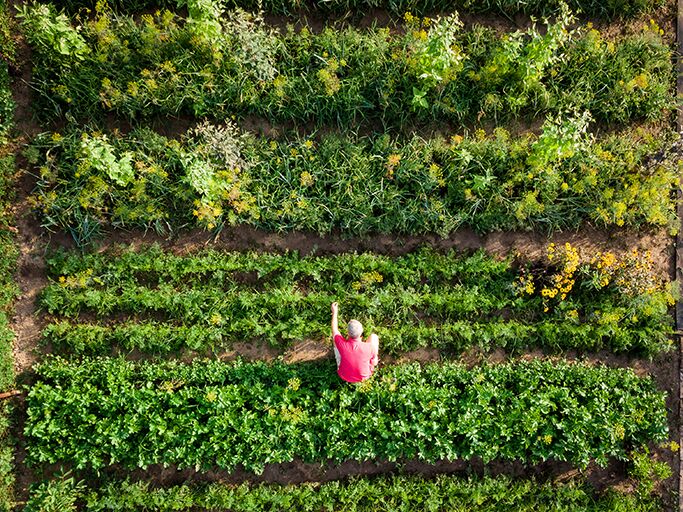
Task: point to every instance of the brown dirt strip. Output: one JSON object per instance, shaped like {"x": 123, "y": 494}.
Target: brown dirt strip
{"x": 31, "y": 266}
{"x": 531, "y": 246}
{"x": 298, "y": 472}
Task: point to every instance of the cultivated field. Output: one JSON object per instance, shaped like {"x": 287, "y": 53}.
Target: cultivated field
{"x": 186, "y": 187}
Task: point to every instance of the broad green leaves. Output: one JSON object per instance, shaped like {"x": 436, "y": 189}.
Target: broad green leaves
{"x": 101, "y": 412}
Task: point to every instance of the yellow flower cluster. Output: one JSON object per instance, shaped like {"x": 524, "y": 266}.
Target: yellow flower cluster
{"x": 562, "y": 282}
{"x": 306, "y": 179}
{"x": 654, "y": 28}
{"x": 328, "y": 76}
{"x": 392, "y": 162}
{"x": 294, "y": 384}
{"x": 436, "y": 174}
{"x": 367, "y": 279}
{"x": 633, "y": 274}
{"x": 207, "y": 212}
{"x": 79, "y": 280}
{"x": 526, "y": 284}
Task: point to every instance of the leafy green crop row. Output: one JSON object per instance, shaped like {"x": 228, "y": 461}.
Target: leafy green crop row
{"x": 208, "y": 66}
{"x": 603, "y": 8}
{"x": 452, "y": 337}
{"x": 218, "y": 175}
{"x": 451, "y": 301}
{"x": 8, "y": 259}
{"x": 8, "y": 251}
{"x": 95, "y": 413}
{"x": 389, "y": 494}
{"x": 7, "y": 477}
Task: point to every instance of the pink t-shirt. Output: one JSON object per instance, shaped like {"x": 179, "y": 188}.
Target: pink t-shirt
{"x": 358, "y": 359}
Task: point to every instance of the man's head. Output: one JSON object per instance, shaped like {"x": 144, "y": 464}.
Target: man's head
{"x": 355, "y": 329}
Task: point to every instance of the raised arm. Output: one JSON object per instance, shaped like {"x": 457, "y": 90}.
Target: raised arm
{"x": 335, "y": 320}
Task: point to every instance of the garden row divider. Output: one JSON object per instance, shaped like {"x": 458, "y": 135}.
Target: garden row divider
{"x": 679, "y": 248}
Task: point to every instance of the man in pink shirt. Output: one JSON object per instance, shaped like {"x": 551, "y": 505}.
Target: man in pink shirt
{"x": 356, "y": 359}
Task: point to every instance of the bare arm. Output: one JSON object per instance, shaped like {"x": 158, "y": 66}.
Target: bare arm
{"x": 374, "y": 341}
{"x": 335, "y": 320}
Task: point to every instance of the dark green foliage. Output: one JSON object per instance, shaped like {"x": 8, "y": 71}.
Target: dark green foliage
{"x": 452, "y": 302}
{"x": 380, "y": 494}
{"x": 603, "y": 8}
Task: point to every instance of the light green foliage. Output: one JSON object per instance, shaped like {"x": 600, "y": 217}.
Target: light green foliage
{"x": 52, "y": 33}
{"x": 437, "y": 57}
{"x": 215, "y": 171}
{"x": 647, "y": 471}
{"x": 562, "y": 138}
{"x": 255, "y": 44}
{"x": 58, "y": 495}
{"x": 99, "y": 412}
{"x": 204, "y": 19}
{"x": 97, "y": 153}
{"x": 7, "y": 477}
{"x": 359, "y": 185}
{"x": 543, "y": 49}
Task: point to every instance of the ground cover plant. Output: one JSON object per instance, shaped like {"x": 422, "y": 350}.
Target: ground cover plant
{"x": 207, "y": 300}
{"x": 8, "y": 259}
{"x": 391, "y": 494}
{"x": 206, "y": 65}
{"x": 608, "y": 8}
{"x": 94, "y": 413}
{"x": 219, "y": 175}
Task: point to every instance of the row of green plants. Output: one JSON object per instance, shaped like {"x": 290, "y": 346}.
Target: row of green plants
{"x": 206, "y": 65}
{"x": 387, "y": 493}
{"x": 451, "y": 301}
{"x": 453, "y": 337}
{"x": 8, "y": 258}
{"x": 209, "y": 414}
{"x": 218, "y": 175}
{"x": 7, "y": 470}
{"x": 602, "y": 8}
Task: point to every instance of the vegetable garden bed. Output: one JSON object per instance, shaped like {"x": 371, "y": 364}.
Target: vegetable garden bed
{"x": 101, "y": 412}
{"x": 206, "y": 301}
{"x": 347, "y": 160}
{"x": 217, "y": 176}
{"x": 168, "y": 65}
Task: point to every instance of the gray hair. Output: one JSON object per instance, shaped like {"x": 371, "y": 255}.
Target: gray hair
{"x": 355, "y": 329}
